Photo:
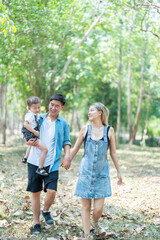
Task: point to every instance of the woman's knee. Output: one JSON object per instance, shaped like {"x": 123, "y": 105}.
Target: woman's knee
{"x": 98, "y": 210}
{"x": 86, "y": 207}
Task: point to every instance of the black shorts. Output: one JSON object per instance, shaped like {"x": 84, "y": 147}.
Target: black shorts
{"x": 36, "y": 181}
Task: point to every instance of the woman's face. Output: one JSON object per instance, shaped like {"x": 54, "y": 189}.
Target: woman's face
{"x": 93, "y": 113}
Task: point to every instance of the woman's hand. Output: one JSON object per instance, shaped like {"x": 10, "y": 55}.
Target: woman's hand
{"x": 119, "y": 179}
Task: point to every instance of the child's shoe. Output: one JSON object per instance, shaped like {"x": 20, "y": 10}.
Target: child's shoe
{"x": 42, "y": 172}
{"x": 99, "y": 230}
{"x": 24, "y": 160}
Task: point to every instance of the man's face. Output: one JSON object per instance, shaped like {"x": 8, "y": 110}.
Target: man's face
{"x": 55, "y": 107}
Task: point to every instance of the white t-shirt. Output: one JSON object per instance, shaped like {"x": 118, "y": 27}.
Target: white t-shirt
{"x": 30, "y": 117}
{"x": 47, "y": 136}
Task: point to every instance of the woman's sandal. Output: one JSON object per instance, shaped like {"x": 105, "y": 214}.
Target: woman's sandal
{"x": 42, "y": 172}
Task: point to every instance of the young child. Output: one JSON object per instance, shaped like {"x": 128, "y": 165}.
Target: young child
{"x": 94, "y": 178}
{"x": 31, "y": 130}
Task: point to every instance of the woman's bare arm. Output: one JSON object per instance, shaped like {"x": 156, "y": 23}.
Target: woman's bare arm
{"x": 79, "y": 142}
{"x": 113, "y": 154}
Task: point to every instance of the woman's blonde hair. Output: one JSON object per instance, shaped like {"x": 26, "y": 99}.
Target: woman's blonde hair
{"x": 105, "y": 112}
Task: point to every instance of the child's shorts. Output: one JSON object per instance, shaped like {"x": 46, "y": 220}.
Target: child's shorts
{"x": 27, "y": 134}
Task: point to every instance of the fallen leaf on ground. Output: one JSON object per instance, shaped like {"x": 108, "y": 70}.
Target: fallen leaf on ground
{"x": 106, "y": 215}
{"x": 3, "y": 223}
{"x": 139, "y": 229}
{"x": 111, "y": 234}
{"x": 18, "y": 213}
{"x": 156, "y": 221}
{"x": 27, "y": 197}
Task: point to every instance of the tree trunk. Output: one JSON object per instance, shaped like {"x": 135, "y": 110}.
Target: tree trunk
{"x": 75, "y": 122}
{"x": 3, "y": 110}
{"x": 119, "y": 94}
{"x": 61, "y": 77}
{"x": 129, "y": 100}
{"x": 140, "y": 99}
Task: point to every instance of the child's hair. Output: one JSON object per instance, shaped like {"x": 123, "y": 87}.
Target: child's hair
{"x": 33, "y": 100}
{"x": 58, "y": 97}
{"x": 105, "y": 112}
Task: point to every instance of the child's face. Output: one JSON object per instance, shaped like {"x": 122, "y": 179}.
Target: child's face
{"x": 35, "y": 108}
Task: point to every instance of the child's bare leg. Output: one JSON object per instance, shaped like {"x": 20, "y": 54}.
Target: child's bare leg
{"x": 27, "y": 152}
{"x": 44, "y": 152}
{"x": 24, "y": 159}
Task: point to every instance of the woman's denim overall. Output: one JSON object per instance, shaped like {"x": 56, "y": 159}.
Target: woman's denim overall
{"x": 94, "y": 179}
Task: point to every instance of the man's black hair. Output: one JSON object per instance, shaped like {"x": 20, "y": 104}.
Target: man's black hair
{"x": 58, "y": 97}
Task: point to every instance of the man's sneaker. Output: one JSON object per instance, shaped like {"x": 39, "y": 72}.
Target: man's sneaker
{"x": 48, "y": 218}
{"x": 36, "y": 229}
{"x": 99, "y": 230}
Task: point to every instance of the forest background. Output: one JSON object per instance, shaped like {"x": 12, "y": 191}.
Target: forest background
{"x": 89, "y": 50}
{"x": 105, "y": 51}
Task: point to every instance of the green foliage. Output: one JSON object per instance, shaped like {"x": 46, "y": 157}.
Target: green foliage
{"x": 153, "y": 129}
{"x": 39, "y": 37}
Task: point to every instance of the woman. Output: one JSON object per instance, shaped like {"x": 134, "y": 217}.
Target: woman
{"x": 94, "y": 179}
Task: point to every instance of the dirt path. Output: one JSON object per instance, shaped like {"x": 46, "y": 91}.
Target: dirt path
{"x": 133, "y": 211}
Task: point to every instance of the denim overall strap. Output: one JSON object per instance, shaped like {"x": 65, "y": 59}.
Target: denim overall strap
{"x": 105, "y": 133}
{"x": 89, "y": 132}
{"x": 108, "y": 127}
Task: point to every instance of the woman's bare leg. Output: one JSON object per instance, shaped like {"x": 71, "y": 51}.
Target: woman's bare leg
{"x": 86, "y": 210}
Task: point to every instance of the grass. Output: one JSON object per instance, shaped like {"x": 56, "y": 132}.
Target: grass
{"x": 132, "y": 212}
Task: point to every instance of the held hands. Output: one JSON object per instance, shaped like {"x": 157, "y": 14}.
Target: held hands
{"x": 66, "y": 162}
{"x": 119, "y": 179}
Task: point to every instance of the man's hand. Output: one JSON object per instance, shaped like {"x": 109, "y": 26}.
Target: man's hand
{"x": 66, "y": 162}
{"x": 32, "y": 142}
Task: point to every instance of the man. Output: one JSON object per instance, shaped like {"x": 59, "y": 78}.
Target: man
{"x": 54, "y": 133}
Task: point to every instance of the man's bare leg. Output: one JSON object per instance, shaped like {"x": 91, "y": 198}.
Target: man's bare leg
{"x": 49, "y": 199}
{"x": 36, "y": 207}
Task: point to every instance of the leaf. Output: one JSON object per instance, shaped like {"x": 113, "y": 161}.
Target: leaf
{"x": 139, "y": 229}
{"x": 5, "y": 31}
{"x": 26, "y": 206}
{"x": 18, "y": 213}
{"x": 51, "y": 238}
{"x": 14, "y": 29}
{"x": 12, "y": 38}
{"x": 125, "y": 230}
{"x": 156, "y": 222}
{"x": 2, "y": 6}
{"x": 111, "y": 234}
{"x": 106, "y": 215}
{"x": 29, "y": 213}
{"x": 3, "y": 223}
{"x": 27, "y": 197}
